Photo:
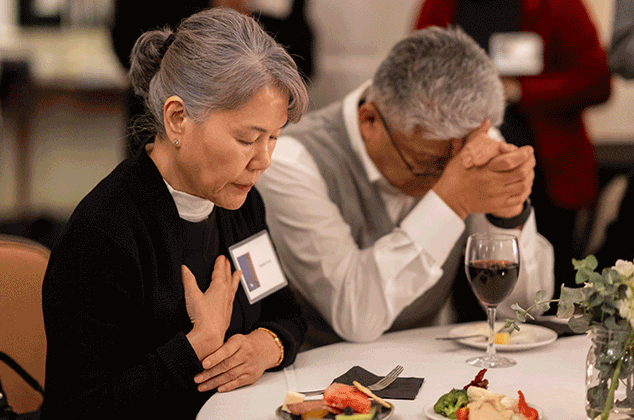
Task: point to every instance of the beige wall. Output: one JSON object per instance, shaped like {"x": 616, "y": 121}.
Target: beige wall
{"x": 351, "y": 39}
{"x": 613, "y": 121}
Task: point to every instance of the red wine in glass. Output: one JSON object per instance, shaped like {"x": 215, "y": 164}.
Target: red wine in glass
{"x": 493, "y": 280}
{"x": 492, "y": 263}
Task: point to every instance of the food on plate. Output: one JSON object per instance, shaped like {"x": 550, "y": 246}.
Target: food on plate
{"x": 486, "y": 405}
{"x": 502, "y": 338}
{"x": 370, "y": 394}
{"x": 292, "y": 398}
{"x": 529, "y": 412}
{"x": 475, "y": 402}
{"x": 300, "y": 408}
{"x": 448, "y": 404}
{"x": 339, "y": 401}
{"x": 340, "y": 396}
{"x": 357, "y": 416}
{"x": 315, "y": 414}
{"x": 478, "y": 381}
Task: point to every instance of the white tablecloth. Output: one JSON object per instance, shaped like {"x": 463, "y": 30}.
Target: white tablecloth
{"x": 551, "y": 377}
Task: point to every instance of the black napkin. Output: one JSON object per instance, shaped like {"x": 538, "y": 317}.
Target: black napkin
{"x": 400, "y": 389}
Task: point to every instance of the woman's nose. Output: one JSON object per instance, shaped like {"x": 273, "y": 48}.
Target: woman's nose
{"x": 262, "y": 157}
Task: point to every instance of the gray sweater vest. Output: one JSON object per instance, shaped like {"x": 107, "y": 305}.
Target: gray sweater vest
{"x": 323, "y": 134}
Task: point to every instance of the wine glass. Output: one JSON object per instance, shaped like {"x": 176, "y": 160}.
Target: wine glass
{"x": 492, "y": 262}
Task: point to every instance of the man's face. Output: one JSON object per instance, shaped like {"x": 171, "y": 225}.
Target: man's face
{"x": 410, "y": 162}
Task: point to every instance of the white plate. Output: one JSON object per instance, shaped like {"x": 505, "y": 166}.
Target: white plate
{"x": 432, "y": 415}
{"x": 528, "y": 337}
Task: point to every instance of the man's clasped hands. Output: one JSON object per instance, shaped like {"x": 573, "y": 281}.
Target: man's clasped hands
{"x": 487, "y": 176}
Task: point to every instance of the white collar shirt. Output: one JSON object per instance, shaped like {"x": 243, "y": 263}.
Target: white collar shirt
{"x": 360, "y": 292}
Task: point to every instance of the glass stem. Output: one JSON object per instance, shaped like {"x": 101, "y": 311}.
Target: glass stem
{"x": 491, "y": 310}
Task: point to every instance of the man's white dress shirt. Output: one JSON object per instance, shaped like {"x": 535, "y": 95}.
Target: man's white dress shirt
{"x": 360, "y": 292}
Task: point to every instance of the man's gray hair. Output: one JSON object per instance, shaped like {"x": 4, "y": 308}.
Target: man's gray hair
{"x": 219, "y": 59}
{"x": 441, "y": 80}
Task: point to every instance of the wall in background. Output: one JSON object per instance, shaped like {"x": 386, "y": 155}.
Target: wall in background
{"x": 351, "y": 39}
{"x": 76, "y": 142}
{"x": 613, "y": 121}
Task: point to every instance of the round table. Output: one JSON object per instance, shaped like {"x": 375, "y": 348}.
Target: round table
{"x": 551, "y": 377}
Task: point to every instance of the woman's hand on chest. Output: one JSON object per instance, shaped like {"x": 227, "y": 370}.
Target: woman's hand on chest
{"x": 210, "y": 312}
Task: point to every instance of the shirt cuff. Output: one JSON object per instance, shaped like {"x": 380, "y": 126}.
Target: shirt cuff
{"x": 524, "y": 235}
{"x": 515, "y": 222}
{"x": 181, "y": 360}
{"x": 433, "y": 226}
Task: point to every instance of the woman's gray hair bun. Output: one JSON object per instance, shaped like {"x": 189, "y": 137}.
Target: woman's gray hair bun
{"x": 216, "y": 59}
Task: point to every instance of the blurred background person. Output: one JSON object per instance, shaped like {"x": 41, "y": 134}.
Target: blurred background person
{"x": 370, "y": 205}
{"x": 545, "y": 108}
{"x": 141, "y": 304}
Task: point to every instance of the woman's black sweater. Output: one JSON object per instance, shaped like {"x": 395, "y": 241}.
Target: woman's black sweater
{"x": 114, "y": 308}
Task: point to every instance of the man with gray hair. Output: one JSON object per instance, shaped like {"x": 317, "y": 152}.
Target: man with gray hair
{"x": 370, "y": 200}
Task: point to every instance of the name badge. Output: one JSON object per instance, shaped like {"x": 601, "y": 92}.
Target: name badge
{"x": 517, "y": 53}
{"x": 261, "y": 270}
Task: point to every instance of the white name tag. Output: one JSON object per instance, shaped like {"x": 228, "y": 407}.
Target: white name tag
{"x": 517, "y": 53}
{"x": 261, "y": 270}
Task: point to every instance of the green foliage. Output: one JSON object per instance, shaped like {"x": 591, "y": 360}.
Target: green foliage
{"x": 598, "y": 394}
{"x": 580, "y": 324}
{"x": 448, "y": 404}
{"x": 595, "y": 304}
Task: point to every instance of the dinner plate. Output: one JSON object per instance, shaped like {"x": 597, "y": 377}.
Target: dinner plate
{"x": 432, "y": 415}
{"x": 381, "y": 413}
{"x": 528, "y": 337}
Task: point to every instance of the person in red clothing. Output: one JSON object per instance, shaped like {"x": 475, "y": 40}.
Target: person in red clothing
{"x": 546, "y": 108}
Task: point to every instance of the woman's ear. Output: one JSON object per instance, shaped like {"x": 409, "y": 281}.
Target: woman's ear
{"x": 174, "y": 117}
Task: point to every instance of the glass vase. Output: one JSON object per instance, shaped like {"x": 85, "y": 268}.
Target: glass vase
{"x": 605, "y": 357}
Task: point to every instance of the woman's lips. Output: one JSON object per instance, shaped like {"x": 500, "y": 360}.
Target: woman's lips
{"x": 243, "y": 187}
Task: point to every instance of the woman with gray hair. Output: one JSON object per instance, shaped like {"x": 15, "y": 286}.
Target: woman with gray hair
{"x": 145, "y": 315}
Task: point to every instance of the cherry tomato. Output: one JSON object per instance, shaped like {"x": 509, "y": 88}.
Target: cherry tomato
{"x": 462, "y": 413}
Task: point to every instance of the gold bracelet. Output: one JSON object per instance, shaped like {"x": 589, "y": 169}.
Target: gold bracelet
{"x": 278, "y": 342}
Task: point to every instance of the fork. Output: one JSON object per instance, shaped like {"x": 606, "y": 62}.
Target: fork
{"x": 387, "y": 379}
{"x": 382, "y": 383}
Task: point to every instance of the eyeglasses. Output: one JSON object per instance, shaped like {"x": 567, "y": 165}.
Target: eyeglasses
{"x": 435, "y": 171}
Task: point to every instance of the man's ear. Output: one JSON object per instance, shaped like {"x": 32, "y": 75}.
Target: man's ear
{"x": 370, "y": 123}
{"x": 174, "y": 117}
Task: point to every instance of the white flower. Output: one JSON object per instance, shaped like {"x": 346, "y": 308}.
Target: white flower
{"x": 626, "y": 306}
{"x": 626, "y": 311}
{"x": 625, "y": 268}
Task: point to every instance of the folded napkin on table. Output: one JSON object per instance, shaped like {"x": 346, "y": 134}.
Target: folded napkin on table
{"x": 400, "y": 389}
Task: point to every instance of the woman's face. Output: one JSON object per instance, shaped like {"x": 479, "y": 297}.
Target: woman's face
{"x": 222, "y": 158}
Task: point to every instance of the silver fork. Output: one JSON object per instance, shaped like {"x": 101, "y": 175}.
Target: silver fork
{"x": 382, "y": 383}
{"x": 387, "y": 379}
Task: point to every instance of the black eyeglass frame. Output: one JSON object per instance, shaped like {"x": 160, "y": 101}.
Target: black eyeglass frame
{"x": 400, "y": 153}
